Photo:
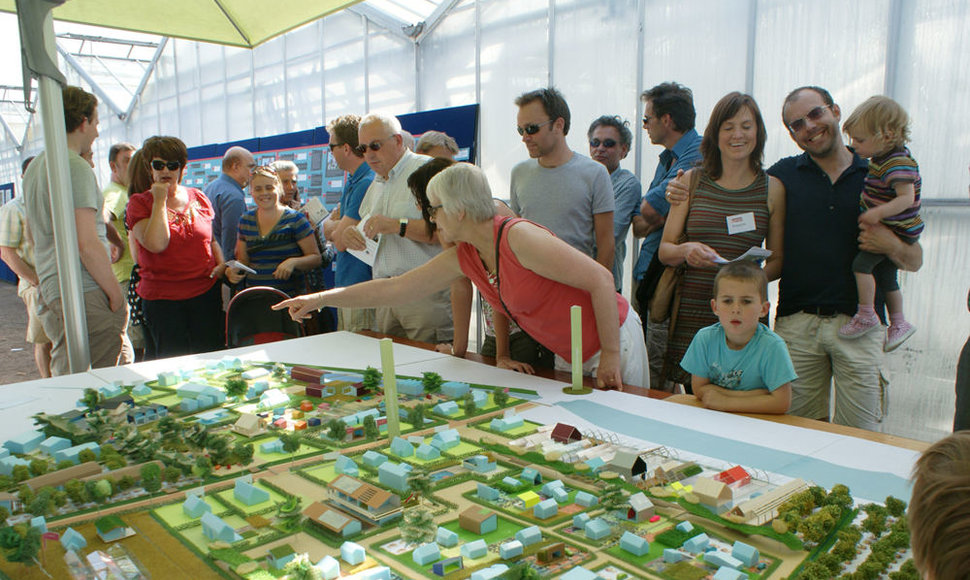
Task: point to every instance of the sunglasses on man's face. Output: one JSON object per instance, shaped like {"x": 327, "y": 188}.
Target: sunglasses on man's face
{"x": 532, "y": 128}
{"x": 813, "y": 115}
{"x": 608, "y": 143}
{"x": 158, "y": 165}
{"x": 373, "y": 146}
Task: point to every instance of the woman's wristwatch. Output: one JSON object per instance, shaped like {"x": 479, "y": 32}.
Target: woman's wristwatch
{"x": 404, "y": 227}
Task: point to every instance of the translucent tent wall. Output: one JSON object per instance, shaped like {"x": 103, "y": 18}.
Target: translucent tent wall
{"x": 602, "y": 55}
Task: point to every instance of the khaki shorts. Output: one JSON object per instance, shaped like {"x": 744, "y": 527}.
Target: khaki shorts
{"x": 355, "y": 319}
{"x": 820, "y": 356}
{"x": 107, "y": 342}
{"x": 35, "y": 330}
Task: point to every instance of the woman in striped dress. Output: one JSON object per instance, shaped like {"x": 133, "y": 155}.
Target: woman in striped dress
{"x": 274, "y": 240}
{"x": 735, "y": 205}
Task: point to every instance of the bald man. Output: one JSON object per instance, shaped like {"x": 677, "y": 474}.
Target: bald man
{"x": 228, "y": 199}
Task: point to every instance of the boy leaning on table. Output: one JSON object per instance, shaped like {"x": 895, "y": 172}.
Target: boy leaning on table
{"x": 738, "y": 364}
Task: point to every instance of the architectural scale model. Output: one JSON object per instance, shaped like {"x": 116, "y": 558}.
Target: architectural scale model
{"x": 265, "y": 470}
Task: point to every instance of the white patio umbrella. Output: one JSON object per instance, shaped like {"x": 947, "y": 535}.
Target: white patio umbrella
{"x": 246, "y": 23}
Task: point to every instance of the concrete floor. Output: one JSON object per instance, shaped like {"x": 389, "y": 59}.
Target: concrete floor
{"x": 16, "y": 355}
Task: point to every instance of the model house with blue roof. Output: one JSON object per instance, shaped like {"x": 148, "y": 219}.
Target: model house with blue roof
{"x": 168, "y": 379}
{"x": 531, "y": 476}
{"x": 273, "y": 398}
{"x": 480, "y": 397}
{"x": 109, "y": 391}
{"x": 585, "y": 499}
{"x": 747, "y": 555}
{"x": 352, "y": 553}
{"x": 212, "y": 417}
{"x": 685, "y": 527}
{"x": 725, "y": 573}
{"x": 329, "y": 568}
{"x": 255, "y": 373}
{"x": 672, "y": 556}
{"x": 401, "y": 447}
{"x": 511, "y": 482}
{"x": 580, "y": 520}
{"x": 493, "y": 572}
{"x": 506, "y": 423}
{"x": 54, "y": 444}
{"x": 529, "y": 536}
{"x": 545, "y": 509}
{"x": 373, "y": 459}
{"x": 475, "y": 549}
{"x": 71, "y": 453}
{"x": 194, "y": 506}
{"x": 446, "y": 408}
{"x": 214, "y": 528}
{"x": 579, "y": 573}
{"x": 478, "y": 464}
{"x": 394, "y": 475}
{"x": 486, "y": 492}
{"x": 510, "y": 549}
{"x": 230, "y": 362}
{"x": 596, "y": 529}
{"x": 697, "y": 544}
{"x": 560, "y": 494}
{"x": 141, "y": 390}
{"x": 634, "y": 544}
{"x": 256, "y": 389}
{"x": 427, "y": 452}
{"x": 8, "y": 463}
{"x": 426, "y": 554}
{"x": 410, "y": 387}
{"x": 454, "y": 389}
{"x": 196, "y": 390}
{"x": 277, "y": 558}
{"x": 40, "y": 523}
{"x": 375, "y": 573}
{"x": 446, "y": 439}
{"x": 274, "y": 446}
{"x": 248, "y": 494}
{"x": 547, "y": 487}
{"x": 717, "y": 558}
{"x": 595, "y": 464}
{"x": 346, "y": 466}
{"x": 24, "y": 442}
{"x": 72, "y": 540}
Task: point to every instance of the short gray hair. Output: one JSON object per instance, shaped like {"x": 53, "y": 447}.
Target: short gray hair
{"x": 389, "y": 123}
{"x": 284, "y": 165}
{"x": 431, "y": 139}
{"x": 464, "y": 187}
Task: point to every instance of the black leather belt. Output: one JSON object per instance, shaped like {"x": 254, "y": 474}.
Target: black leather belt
{"x": 822, "y": 311}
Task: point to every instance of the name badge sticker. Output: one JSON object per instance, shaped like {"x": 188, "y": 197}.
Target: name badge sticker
{"x": 740, "y": 223}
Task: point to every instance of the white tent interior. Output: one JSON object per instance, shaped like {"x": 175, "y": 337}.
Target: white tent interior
{"x": 380, "y": 57}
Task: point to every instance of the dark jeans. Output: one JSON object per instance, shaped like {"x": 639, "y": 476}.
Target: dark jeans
{"x": 190, "y": 326}
{"x": 881, "y": 268}
{"x": 961, "y": 418}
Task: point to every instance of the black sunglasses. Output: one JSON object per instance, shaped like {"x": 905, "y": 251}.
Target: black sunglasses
{"x": 813, "y": 115}
{"x": 608, "y": 143}
{"x": 532, "y": 128}
{"x": 373, "y": 146}
{"x": 158, "y": 165}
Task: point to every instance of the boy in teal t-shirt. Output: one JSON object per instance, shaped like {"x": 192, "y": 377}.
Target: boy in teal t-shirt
{"x": 738, "y": 364}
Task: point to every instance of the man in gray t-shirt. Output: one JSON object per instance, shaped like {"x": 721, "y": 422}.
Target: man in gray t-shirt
{"x": 105, "y": 309}
{"x": 558, "y": 188}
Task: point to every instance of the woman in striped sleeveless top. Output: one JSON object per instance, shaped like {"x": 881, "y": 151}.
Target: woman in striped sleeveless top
{"x": 735, "y": 205}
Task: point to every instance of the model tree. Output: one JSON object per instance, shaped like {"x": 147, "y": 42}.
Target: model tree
{"x": 613, "y": 498}
{"x": 839, "y": 496}
{"x": 336, "y": 429}
{"x": 875, "y": 522}
{"x": 895, "y": 507}
{"x": 291, "y": 442}
{"x": 301, "y": 568}
{"x": 91, "y": 399}
{"x": 21, "y": 473}
{"x": 432, "y": 382}
{"x": 26, "y": 551}
{"x": 244, "y": 452}
{"x": 236, "y": 387}
{"x": 151, "y": 477}
{"x": 420, "y": 483}
{"x": 279, "y": 371}
{"x": 416, "y": 415}
{"x": 74, "y": 489}
{"x": 372, "y": 378}
{"x": 468, "y": 404}
{"x": 417, "y": 526}
{"x": 500, "y": 396}
{"x": 203, "y": 466}
{"x": 371, "y": 431}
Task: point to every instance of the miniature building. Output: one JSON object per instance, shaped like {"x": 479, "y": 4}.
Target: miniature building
{"x": 53, "y": 444}
{"x": 507, "y": 423}
{"x": 352, "y": 553}
{"x": 480, "y": 398}
{"x": 454, "y": 389}
{"x": 712, "y": 493}
{"x": 426, "y": 452}
{"x": 697, "y": 544}
{"x": 110, "y": 528}
{"x": 585, "y": 499}
{"x": 716, "y": 558}
{"x": 410, "y": 387}
{"x": 373, "y": 458}
{"x": 447, "y": 566}
{"x": 478, "y": 463}
{"x": 547, "y": 488}
{"x": 364, "y": 500}
{"x": 685, "y": 527}
{"x": 446, "y": 408}
{"x": 332, "y": 520}
{"x": 273, "y": 398}
{"x": 529, "y": 499}
{"x": 329, "y": 568}
{"x": 194, "y": 506}
{"x": 580, "y": 520}
{"x": 596, "y": 529}
{"x": 274, "y": 446}
{"x": 764, "y": 508}
{"x": 196, "y": 390}
{"x": 24, "y": 442}
{"x": 512, "y": 482}
{"x": 8, "y": 463}
{"x": 168, "y": 379}
{"x": 394, "y": 475}
{"x": 426, "y": 554}
{"x": 401, "y": 447}
{"x": 141, "y": 390}
{"x": 248, "y": 494}
{"x": 747, "y": 555}
{"x": 595, "y": 464}
{"x": 255, "y": 373}
{"x": 40, "y": 523}
{"x": 447, "y": 439}
{"x": 346, "y": 466}
{"x": 278, "y": 557}
{"x": 634, "y": 544}
{"x": 545, "y": 509}
{"x": 734, "y": 477}
{"x": 674, "y": 470}
{"x": 510, "y": 549}
{"x": 214, "y": 528}
{"x": 475, "y": 549}
{"x": 641, "y": 508}
{"x": 529, "y": 536}
{"x": 579, "y": 573}
{"x": 628, "y": 463}
{"x": 531, "y": 476}
{"x": 478, "y": 520}
{"x": 563, "y": 433}
{"x": 72, "y": 540}
{"x": 493, "y": 572}
{"x": 551, "y": 553}
{"x": 307, "y": 374}
{"x": 486, "y": 492}
{"x": 446, "y": 538}
{"x": 71, "y": 453}
{"x": 314, "y": 391}
{"x": 672, "y": 556}
{"x": 725, "y": 573}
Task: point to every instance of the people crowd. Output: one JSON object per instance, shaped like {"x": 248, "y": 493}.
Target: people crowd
{"x": 414, "y": 231}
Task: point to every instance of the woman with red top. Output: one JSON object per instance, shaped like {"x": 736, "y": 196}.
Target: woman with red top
{"x": 180, "y": 261}
{"x": 522, "y": 270}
